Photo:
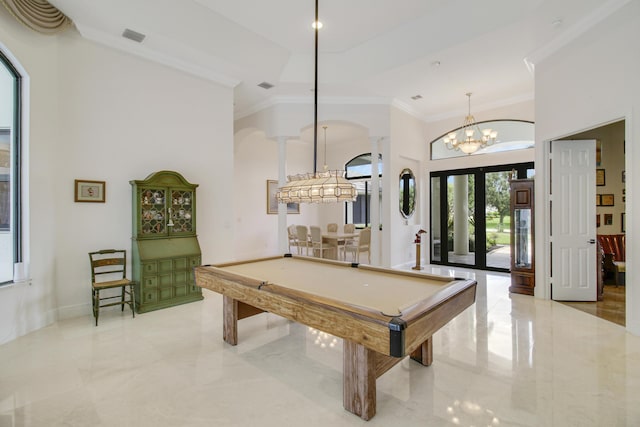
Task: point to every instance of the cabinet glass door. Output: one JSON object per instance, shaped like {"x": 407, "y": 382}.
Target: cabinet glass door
{"x": 522, "y": 238}
{"x": 152, "y": 211}
{"x": 181, "y": 212}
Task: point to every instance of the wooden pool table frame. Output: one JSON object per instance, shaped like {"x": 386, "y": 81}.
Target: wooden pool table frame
{"x": 373, "y": 342}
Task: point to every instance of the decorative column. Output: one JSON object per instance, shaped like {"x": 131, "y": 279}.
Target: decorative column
{"x": 283, "y": 238}
{"x": 375, "y": 202}
{"x": 461, "y": 214}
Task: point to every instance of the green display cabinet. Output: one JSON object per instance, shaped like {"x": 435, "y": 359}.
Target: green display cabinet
{"x": 165, "y": 246}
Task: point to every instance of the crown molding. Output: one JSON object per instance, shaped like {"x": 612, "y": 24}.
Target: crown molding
{"x": 572, "y": 33}
{"x": 300, "y": 100}
{"x": 140, "y": 50}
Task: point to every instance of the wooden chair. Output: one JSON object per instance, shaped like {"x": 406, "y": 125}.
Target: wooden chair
{"x": 293, "y": 237}
{"x": 108, "y": 271}
{"x": 332, "y": 227}
{"x": 303, "y": 238}
{"x": 362, "y": 244}
{"x": 317, "y": 244}
{"x": 347, "y": 229}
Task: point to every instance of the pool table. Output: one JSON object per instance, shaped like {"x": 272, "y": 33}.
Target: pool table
{"x": 382, "y": 315}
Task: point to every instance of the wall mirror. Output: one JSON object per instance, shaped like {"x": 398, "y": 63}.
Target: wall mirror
{"x": 407, "y": 193}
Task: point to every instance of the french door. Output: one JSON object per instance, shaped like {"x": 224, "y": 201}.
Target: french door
{"x": 470, "y": 219}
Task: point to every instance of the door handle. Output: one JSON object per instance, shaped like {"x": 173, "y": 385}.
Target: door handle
{"x": 592, "y": 241}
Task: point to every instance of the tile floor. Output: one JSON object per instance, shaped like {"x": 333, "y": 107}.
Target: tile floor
{"x": 505, "y": 361}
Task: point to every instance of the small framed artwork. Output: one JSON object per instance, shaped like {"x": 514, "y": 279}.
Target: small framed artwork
{"x": 597, "y": 220}
{"x": 598, "y": 199}
{"x": 608, "y": 219}
{"x": 622, "y": 227}
{"x": 89, "y": 191}
{"x": 600, "y": 177}
{"x": 272, "y": 202}
{"x": 607, "y": 200}
{"x": 623, "y": 177}
{"x": 598, "y": 152}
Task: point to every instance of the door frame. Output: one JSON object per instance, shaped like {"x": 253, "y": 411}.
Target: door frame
{"x": 543, "y": 217}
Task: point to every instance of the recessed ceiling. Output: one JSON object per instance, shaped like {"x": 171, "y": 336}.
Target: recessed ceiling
{"x": 368, "y": 48}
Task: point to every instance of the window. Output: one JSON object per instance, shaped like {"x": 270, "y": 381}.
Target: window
{"x": 10, "y": 226}
{"x": 358, "y": 170}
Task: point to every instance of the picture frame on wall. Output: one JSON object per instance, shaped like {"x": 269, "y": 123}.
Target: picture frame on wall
{"x": 607, "y": 200}
{"x": 272, "y": 202}
{"x": 89, "y": 191}
{"x": 598, "y": 199}
{"x": 597, "y": 220}
{"x": 622, "y": 224}
{"x": 600, "y": 177}
{"x": 608, "y": 219}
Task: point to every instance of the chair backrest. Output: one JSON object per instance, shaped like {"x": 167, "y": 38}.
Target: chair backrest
{"x": 332, "y": 227}
{"x": 302, "y": 232}
{"x": 316, "y": 234}
{"x": 291, "y": 230}
{"x": 349, "y": 228}
{"x": 364, "y": 238}
{"x": 108, "y": 264}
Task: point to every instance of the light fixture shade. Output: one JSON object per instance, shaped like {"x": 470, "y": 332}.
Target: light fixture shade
{"x": 321, "y": 187}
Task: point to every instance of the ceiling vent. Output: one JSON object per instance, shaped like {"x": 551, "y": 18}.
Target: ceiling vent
{"x": 265, "y": 85}
{"x": 133, "y": 35}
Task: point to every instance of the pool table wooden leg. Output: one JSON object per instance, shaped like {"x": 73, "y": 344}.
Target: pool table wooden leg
{"x": 230, "y": 320}
{"x": 232, "y": 311}
{"x": 424, "y": 353}
{"x": 359, "y": 380}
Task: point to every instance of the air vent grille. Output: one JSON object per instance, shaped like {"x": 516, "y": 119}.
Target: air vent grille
{"x": 133, "y": 35}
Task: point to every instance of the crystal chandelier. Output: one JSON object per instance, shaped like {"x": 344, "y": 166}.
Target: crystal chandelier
{"x": 471, "y": 138}
{"x": 317, "y": 187}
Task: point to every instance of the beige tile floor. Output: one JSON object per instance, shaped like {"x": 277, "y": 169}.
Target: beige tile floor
{"x": 506, "y": 361}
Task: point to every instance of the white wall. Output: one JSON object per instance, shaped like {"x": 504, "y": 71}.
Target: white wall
{"x": 408, "y": 149}
{"x": 100, "y": 114}
{"x": 590, "y": 82}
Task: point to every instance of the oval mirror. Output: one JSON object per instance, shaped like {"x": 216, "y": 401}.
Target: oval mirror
{"x": 407, "y": 193}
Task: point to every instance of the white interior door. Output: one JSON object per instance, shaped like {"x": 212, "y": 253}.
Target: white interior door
{"x": 573, "y": 228}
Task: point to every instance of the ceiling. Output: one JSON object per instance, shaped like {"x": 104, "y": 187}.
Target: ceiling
{"x": 370, "y": 50}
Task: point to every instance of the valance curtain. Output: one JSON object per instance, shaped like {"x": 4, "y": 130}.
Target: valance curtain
{"x": 39, "y": 15}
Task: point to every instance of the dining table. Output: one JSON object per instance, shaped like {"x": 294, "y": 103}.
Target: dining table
{"x": 336, "y": 239}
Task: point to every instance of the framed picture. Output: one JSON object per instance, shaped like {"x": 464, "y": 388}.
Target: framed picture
{"x": 622, "y": 225}
{"x": 89, "y": 191}
{"x": 598, "y": 152}
{"x": 623, "y": 177}
{"x": 608, "y": 219}
{"x": 607, "y": 200}
{"x": 597, "y": 220}
{"x": 598, "y": 199}
{"x": 272, "y": 202}
{"x": 599, "y": 177}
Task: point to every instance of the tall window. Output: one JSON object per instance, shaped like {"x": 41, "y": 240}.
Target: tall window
{"x": 358, "y": 170}
{"x": 10, "y": 226}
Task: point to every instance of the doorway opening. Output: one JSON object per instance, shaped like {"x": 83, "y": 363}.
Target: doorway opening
{"x": 611, "y": 198}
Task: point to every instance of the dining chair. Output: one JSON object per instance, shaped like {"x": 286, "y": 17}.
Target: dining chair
{"x": 332, "y": 227}
{"x": 362, "y": 244}
{"x": 108, "y": 271}
{"x": 317, "y": 243}
{"x": 347, "y": 229}
{"x": 303, "y": 238}
{"x": 293, "y": 236}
